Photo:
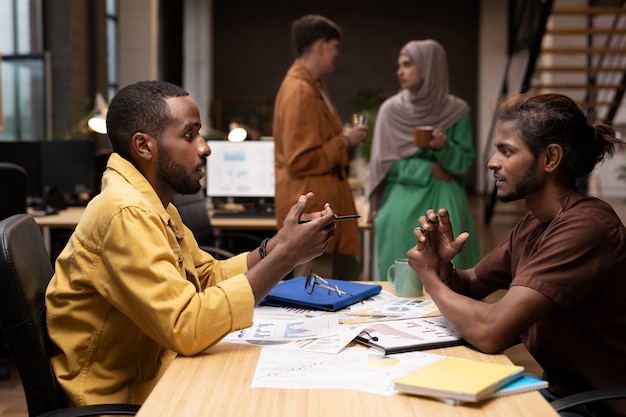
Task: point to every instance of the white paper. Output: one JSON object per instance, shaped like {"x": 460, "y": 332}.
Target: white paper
{"x": 278, "y": 368}
{"x": 354, "y": 368}
{"x": 284, "y": 311}
{"x": 280, "y": 330}
{"x": 398, "y": 308}
{"x": 329, "y": 344}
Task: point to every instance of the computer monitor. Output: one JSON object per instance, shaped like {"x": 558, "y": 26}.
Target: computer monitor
{"x": 59, "y": 172}
{"x": 68, "y": 166}
{"x": 28, "y": 156}
{"x": 241, "y": 169}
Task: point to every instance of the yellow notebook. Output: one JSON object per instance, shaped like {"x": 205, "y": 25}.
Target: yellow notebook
{"x": 454, "y": 380}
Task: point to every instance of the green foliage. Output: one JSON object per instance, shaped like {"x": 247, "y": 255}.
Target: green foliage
{"x": 367, "y": 102}
{"x": 622, "y": 174}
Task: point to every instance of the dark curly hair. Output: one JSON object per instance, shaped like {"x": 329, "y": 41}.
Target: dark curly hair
{"x": 139, "y": 107}
{"x": 544, "y": 119}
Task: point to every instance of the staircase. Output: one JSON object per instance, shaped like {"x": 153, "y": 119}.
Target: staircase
{"x": 583, "y": 55}
{"x": 571, "y": 47}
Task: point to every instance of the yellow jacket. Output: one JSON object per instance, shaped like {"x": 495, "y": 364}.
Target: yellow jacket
{"x": 132, "y": 289}
{"x": 311, "y": 155}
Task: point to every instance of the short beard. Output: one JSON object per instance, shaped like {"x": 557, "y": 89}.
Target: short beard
{"x": 525, "y": 186}
{"x": 174, "y": 175}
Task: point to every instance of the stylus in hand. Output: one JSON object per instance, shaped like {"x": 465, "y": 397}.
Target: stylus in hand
{"x": 337, "y": 218}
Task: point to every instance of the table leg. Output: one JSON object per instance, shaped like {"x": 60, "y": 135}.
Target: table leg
{"x": 45, "y": 231}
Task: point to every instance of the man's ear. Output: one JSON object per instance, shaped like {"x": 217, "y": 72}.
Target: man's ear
{"x": 554, "y": 157}
{"x": 143, "y": 145}
{"x": 318, "y": 46}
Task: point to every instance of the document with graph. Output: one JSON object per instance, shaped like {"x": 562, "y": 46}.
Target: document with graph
{"x": 408, "y": 335}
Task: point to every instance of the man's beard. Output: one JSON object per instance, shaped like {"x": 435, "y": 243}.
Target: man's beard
{"x": 525, "y": 186}
{"x": 174, "y": 175}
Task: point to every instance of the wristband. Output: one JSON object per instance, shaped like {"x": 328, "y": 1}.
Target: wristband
{"x": 263, "y": 248}
{"x": 451, "y": 276}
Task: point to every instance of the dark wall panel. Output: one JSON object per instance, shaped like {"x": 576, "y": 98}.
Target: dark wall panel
{"x": 252, "y": 45}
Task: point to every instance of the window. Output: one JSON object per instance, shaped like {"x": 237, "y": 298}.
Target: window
{"x": 112, "y": 47}
{"x": 22, "y": 71}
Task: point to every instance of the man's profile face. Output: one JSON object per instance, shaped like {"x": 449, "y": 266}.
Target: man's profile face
{"x": 181, "y": 160}
{"x": 330, "y": 52}
{"x": 514, "y": 166}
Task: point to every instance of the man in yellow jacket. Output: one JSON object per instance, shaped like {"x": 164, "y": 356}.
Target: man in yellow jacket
{"x": 132, "y": 288}
{"x": 311, "y": 147}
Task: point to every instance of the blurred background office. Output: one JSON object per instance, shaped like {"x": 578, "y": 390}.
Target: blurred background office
{"x": 62, "y": 61}
{"x": 59, "y": 55}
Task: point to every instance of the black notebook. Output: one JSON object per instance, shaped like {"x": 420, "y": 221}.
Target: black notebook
{"x": 399, "y": 336}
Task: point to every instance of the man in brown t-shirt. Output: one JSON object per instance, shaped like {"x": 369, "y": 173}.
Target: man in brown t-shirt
{"x": 562, "y": 264}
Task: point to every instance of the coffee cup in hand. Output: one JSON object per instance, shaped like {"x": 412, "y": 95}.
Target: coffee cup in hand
{"x": 423, "y": 136}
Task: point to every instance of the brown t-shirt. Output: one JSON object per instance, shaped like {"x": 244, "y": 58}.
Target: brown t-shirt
{"x": 578, "y": 260}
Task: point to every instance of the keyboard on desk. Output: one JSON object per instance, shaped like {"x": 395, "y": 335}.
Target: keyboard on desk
{"x": 248, "y": 213}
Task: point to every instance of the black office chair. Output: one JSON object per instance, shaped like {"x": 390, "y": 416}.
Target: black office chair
{"x": 588, "y": 397}
{"x": 13, "y": 189}
{"x": 25, "y": 271}
{"x": 193, "y": 211}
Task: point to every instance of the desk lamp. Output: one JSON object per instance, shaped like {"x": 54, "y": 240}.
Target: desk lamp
{"x": 238, "y": 132}
{"x": 97, "y": 121}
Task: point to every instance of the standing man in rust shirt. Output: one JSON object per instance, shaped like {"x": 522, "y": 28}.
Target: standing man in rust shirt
{"x": 312, "y": 148}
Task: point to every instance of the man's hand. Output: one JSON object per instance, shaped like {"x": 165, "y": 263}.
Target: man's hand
{"x": 293, "y": 245}
{"x": 307, "y": 240}
{"x": 435, "y": 243}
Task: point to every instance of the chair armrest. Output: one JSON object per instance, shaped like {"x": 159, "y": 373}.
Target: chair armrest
{"x": 238, "y": 242}
{"x": 94, "y": 410}
{"x": 240, "y": 235}
{"x": 217, "y": 253}
{"x": 588, "y": 397}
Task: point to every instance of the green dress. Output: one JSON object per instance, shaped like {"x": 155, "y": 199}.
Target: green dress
{"x": 410, "y": 190}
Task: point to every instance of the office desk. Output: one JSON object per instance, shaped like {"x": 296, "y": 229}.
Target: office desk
{"x": 217, "y": 383}
{"x": 69, "y": 217}
{"x": 65, "y": 219}
{"x": 243, "y": 223}
{"x": 260, "y": 223}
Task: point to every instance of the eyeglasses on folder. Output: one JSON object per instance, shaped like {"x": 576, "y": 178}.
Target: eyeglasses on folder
{"x": 313, "y": 279}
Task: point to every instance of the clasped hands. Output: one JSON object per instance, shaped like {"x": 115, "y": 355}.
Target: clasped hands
{"x": 435, "y": 245}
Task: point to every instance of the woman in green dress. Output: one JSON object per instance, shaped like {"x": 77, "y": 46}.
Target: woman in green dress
{"x": 405, "y": 180}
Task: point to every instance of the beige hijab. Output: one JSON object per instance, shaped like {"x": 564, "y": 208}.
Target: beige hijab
{"x": 430, "y": 104}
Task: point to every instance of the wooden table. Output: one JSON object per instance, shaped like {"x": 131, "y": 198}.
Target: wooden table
{"x": 217, "y": 383}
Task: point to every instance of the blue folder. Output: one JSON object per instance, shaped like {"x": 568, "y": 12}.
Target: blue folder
{"x": 292, "y": 292}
